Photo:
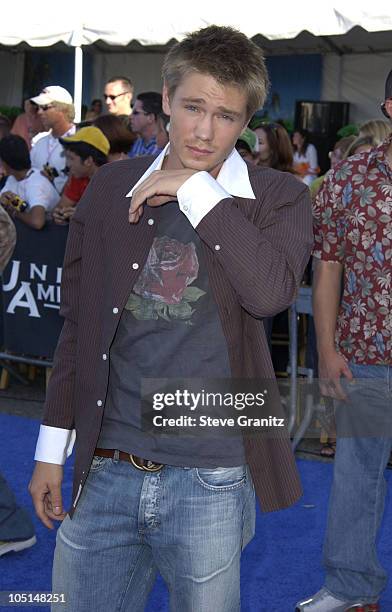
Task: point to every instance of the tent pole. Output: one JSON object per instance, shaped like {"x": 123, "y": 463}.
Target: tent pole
{"x": 78, "y": 83}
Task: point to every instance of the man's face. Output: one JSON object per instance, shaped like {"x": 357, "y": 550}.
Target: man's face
{"x": 77, "y": 167}
{"x": 140, "y": 119}
{"x": 206, "y": 119}
{"x": 121, "y": 104}
{"x": 49, "y": 115}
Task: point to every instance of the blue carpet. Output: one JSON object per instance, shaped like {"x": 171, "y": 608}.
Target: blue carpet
{"x": 280, "y": 565}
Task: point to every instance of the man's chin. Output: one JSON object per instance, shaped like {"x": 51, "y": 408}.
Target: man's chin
{"x": 203, "y": 165}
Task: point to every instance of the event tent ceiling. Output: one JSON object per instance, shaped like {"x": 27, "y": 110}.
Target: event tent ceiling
{"x": 84, "y": 23}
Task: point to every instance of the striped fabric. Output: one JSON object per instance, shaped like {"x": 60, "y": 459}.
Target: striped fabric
{"x": 264, "y": 247}
{"x": 140, "y": 148}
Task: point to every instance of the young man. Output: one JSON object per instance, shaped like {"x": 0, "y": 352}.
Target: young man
{"x": 57, "y": 113}
{"x": 26, "y": 195}
{"x": 352, "y": 218}
{"x": 144, "y": 122}
{"x": 118, "y": 96}
{"x": 170, "y": 265}
{"x": 85, "y": 152}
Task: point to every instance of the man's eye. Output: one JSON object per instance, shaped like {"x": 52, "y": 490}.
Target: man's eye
{"x": 191, "y": 107}
{"x": 227, "y": 117}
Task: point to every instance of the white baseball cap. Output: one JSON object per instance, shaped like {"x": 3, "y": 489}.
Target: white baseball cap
{"x": 53, "y": 93}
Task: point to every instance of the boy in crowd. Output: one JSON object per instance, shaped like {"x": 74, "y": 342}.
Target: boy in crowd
{"x": 85, "y": 151}
{"x": 27, "y": 195}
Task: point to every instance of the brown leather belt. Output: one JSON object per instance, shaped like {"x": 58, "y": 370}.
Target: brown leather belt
{"x": 145, "y": 465}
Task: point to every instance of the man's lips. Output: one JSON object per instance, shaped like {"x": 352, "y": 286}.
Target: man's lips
{"x": 199, "y": 152}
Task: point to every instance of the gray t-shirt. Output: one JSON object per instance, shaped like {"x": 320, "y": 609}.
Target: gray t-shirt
{"x": 169, "y": 328}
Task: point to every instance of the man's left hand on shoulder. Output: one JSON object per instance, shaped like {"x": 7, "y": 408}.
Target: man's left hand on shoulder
{"x": 158, "y": 188}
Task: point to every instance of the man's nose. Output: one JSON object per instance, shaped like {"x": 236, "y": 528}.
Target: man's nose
{"x": 205, "y": 128}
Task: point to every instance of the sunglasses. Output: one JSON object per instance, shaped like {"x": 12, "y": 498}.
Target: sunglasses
{"x": 46, "y": 107}
{"x": 105, "y": 97}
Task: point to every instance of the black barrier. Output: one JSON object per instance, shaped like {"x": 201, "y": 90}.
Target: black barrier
{"x": 31, "y": 291}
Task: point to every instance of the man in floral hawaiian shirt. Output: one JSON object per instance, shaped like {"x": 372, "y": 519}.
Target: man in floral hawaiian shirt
{"x": 353, "y": 240}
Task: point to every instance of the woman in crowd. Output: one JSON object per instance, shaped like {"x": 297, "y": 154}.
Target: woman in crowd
{"x": 275, "y": 150}
{"x": 305, "y": 157}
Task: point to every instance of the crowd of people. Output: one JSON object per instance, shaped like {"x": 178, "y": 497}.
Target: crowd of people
{"x": 47, "y": 161}
{"x": 243, "y": 232}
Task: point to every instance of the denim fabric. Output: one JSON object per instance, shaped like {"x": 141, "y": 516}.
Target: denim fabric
{"x": 189, "y": 524}
{"x": 15, "y": 522}
{"x": 359, "y": 486}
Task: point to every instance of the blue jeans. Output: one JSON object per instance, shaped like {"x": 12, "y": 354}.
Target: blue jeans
{"x": 190, "y": 524}
{"x": 358, "y": 491}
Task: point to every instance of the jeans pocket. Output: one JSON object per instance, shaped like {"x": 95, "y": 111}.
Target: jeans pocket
{"x": 222, "y": 478}
{"x": 98, "y": 463}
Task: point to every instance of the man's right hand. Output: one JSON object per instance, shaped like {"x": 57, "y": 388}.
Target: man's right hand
{"x": 45, "y": 489}
{"x": 332, "y": 367}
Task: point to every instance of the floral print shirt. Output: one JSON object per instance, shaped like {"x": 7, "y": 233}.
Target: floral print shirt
{"x": 353, "y": 226}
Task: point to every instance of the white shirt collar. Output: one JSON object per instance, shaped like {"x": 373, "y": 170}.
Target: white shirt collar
{"x": 233, "y": 176}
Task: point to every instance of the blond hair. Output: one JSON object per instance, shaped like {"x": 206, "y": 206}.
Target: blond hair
{"x": 378, "y": 129}
{"x": 225, "y": 54}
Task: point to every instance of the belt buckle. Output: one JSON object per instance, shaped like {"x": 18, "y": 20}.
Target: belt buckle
{"x": 149, "y": 467}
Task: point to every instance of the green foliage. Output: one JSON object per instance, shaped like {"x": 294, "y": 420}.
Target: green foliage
{"x": 11, "y": 112}
{"x": 351, "y": 129}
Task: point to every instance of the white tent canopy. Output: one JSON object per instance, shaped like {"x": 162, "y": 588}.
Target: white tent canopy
{"x": 82, "y": 23}
{"x": 88, "y": 22}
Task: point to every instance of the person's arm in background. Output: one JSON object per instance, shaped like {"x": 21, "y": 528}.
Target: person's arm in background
{"x": 328, "y": 259}
{"x": 327, "y": 279}
{"x": 63, "y": 210}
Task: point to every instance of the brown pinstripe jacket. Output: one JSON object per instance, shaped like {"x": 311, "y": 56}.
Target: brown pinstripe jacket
{"x": 265, "y": 245}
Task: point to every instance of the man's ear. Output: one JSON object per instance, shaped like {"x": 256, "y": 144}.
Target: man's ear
{"x": 165, "y": 100}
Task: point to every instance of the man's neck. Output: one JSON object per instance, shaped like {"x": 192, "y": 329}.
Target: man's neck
{"x": 61, "y": 128}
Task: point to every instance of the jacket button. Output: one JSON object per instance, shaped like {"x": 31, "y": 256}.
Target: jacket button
{"x": 104, "y": 356}
{"x": 150, "y": 222}
{"x": 217, "y": 247}
{"x": 115, "y": 310}
{"x": 135, "y": 266}
{"x": 99, "y": 403}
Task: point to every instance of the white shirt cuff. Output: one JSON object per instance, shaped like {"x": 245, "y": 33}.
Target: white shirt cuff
{"x": 54, "y": 444}
{"x": 198, "y": 195}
